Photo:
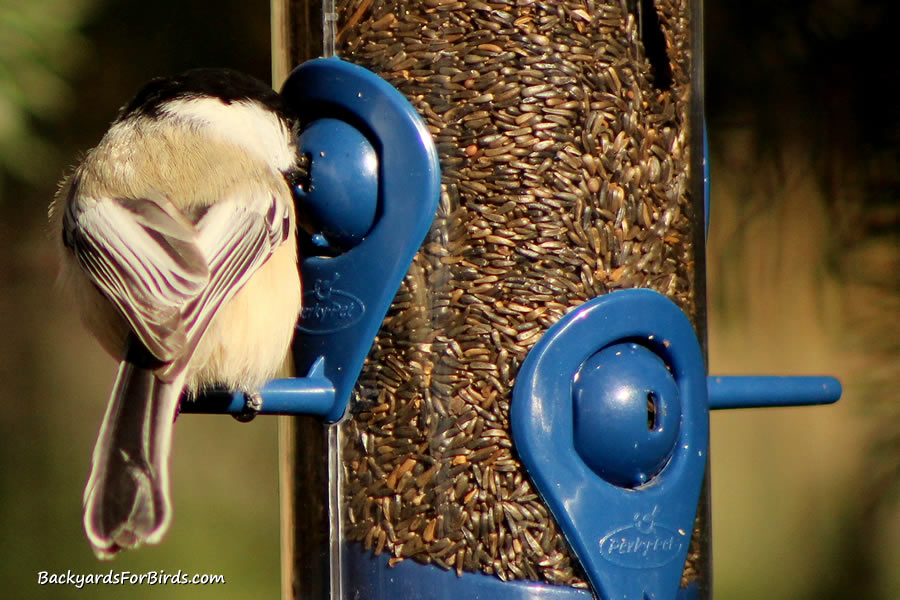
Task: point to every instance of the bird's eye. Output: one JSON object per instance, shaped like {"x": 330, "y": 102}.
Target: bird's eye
{"x": 298, "y": 177}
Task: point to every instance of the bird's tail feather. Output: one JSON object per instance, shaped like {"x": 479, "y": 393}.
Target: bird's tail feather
{"x": 126, "y": 500}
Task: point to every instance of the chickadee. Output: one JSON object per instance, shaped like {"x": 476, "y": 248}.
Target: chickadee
{"x": 177, "y": 243}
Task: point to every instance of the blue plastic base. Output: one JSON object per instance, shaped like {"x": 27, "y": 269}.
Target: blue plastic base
{"x": 370, "y": 577}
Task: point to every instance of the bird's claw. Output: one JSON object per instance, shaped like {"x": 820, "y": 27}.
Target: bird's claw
{"x": 252, "y": 405}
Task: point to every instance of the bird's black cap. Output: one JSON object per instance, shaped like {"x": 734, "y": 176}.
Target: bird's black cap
{"x": 227, "y": 85}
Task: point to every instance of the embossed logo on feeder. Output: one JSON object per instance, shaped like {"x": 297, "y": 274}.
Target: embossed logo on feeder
{"x": 327, "y": 309}
{"x": 644, "y": 544}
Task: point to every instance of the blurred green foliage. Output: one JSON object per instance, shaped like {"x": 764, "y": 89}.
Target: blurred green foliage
{"x": 41, "y": 48}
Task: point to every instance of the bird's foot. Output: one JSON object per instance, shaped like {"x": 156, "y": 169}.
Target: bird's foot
{"x": 252, "y": 405}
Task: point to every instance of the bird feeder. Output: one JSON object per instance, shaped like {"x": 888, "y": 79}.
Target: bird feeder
{"x": 503, "y": 332}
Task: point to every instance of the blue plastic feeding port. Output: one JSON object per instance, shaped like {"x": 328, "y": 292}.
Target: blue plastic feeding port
{"x": 610, "y": 417}
{"x": 629, "y": 524}
{"x": 627, "y": 392}
{"x": 341, "y": 197}
{"x": 373, "y": 189}
{"x": 348, "y": 294}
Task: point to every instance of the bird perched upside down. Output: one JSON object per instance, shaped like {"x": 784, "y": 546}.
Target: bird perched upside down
{"x": 178, "y": 244}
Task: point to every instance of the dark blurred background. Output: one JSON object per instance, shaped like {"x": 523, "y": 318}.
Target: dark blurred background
{"x": 803, "y": 276}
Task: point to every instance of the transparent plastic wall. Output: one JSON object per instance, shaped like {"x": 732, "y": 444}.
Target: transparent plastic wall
{"x": 570, "y": 138}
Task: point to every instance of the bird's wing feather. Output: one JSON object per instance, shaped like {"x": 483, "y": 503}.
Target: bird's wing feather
{"x": 143, "y": 256}
{"x": 236, "y": 236}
